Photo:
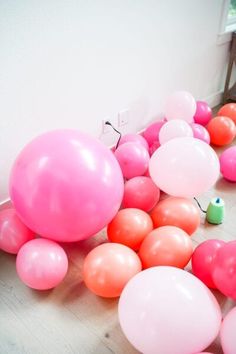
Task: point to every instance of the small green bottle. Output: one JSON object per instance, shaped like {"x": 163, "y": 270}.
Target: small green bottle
{"x": 216, "y": 211}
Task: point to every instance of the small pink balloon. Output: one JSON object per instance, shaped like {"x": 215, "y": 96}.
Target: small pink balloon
{"x": 154, "y": 147}
{"x": 133, "y": 159}
{"x": 151, "y": 133}
{"x": 13, "y": 233}
{"x": 133, "y": 138}
{"x": 203, "y": 113}
{"x": 41, "y": 264}
{"x": 180, "y": 105}
{"x": 175, "y": 128}
{"x": 228, "y": 164}
{"x": 227, "y": 332}
{"x": 199, "y": 132}
{"x": 141, "y": 193}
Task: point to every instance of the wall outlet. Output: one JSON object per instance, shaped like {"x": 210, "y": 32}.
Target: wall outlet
{"x": 123, "y": 117}
{"x": 106, "y": 128}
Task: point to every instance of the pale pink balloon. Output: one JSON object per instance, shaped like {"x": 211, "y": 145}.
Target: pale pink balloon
{"x": 161, "y": 301}
{"x": 174, "y": 129}
{"x": 199, "y": 132}
{"x": 41, "y": 264}
{"x": 13, "y": 233}
{"x": 133, "y": 159}
{"x": 184, "y": 167}
{"x": 227, "y": 332}
{"x": 180, "y": 105}
{"x": 66, "y": 185}
{"x": 151, "y": 133}
{"x": 133, "y": 138}
{"x": 203, "y": 113}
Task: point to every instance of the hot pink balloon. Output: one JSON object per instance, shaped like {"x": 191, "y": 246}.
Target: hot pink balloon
{"x": 133, "y": 159}
{"x": 199, "y": 132}
{"x": 41, "y": 264}
{"x": 66, "y": 185}
{"x": 174, "y": 129}
{"x": 133, "y": 138}
{"x": 228, "y": 164}
{"x": 203, "y": 113}
{"x": 180, "y": 105}
{"x": 163, "y": 300}
{"x": 227, "y": 332}
{"x": 141, "y": 193}
{"x": 151, "y": 133}
{"x": 13, "y": 233}
{"x": 154, "y": 147}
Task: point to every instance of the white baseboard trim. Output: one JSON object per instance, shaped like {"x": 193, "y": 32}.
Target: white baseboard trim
{"x": 215, "y": 99}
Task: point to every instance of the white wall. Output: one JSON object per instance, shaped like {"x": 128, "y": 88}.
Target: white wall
{"x": 72, "y": 63}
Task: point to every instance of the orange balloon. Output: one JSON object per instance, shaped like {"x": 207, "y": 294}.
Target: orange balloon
{"x": 222, "y": 130}
{"x": 174, "y": 211}
{"x": 129, "y": 227}
{"x": 166, "y": 246}
{"x": 108, "y": 267}
{"x": 228, "y": 110}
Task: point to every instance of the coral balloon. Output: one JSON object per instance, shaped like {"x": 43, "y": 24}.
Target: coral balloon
{"x": 227, "y": 332}
{"x": 151, "y": 133}
{"x": 133, "y": 159}
{"x": 140, "y": 192}
{"x": 133, "y": 138}
{"x": 129, "y": 227}
{"x": 108, "y": 267}
{"x": 222, "y": 130}
{"x": 167, "y": 245}
{"x": 184, "y": 167}
{"x": 165, "y": 300}
{"x": 228, "y": 164}
{"x": 203, "y": 260}
{"x": 179, "y": 212}
{"x": 203, "y": 113}
{"x": 41, "y": 264}
{"x": 13, "y": 233}
{"x": 66, "y": 185}
{"x": 199, "y": 132}
{"x": 174, "y": 129}
{"x": 228, "y": 110}
{"x": 180, "y": 105}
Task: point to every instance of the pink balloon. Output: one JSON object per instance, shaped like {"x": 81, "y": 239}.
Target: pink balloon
{"x": 174, "y": 129}
{"x": 13, "y": 233}
{"x": 203, "y": 113}
{"x": 160, "y": 301}
{"x": 228, "y": 164}
{"x": 66, "y": 185}
{"x": 184, "y": 167}
{"x": 151, "y": 133}
{"x": 141, "y": 193}
{"x": 133, "y": 159}
{"x": 227, "y": 332}
{"x": 199, "y": 132}
{"x": 41, "y": 264}
{"x": 180, "y": 105}
{"x": 154, "y": 147}
{"x": 133, "y": 138}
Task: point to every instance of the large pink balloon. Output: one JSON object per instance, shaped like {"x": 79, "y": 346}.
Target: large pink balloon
{"x": 151, "y": 133}
{"x": 66, "y": 185}
{"x": 41, "y": 264}
{"x": 184, "y": 167}
{"x": 227, "y": 332}
{"x": 133, "y": 138}
{"x": 168, "y": 310}
{"x": 180, "y": 105}
{"x": 174, "y": 129}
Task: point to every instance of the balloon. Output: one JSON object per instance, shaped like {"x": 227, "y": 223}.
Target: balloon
{"x": 203, "y": 260}
{"x": 228, "y": 110}
{"x": 66, "y": 185}
{"x": 174, "y": 129}
{"x": 199, "y": 132}
{"x": 108, "y": 267}
{"x": 13, "y": 233}
{"x": 168, "y": 310}
{"x": 227, "y": 332}
{"x": 180, "y": 105}
{"x": 133, "y": 159}
{"x": 228, "y": 164}
{"x": 133, "y": 138}
{"x": 222, "y": 130}
{"x": 129, "y": 227}
{"x": 154, "y": 147}
{"x": 184, "y": 167}
{"x": 167, "y": 245}
{"x": 224, "y": 270}
{"x": 41, "y": 264}
{"x": 203, "y": 113}
{"x": 151, "y": 133}
{"x": 180, "y": 212}
{"x": 140, "y": 192}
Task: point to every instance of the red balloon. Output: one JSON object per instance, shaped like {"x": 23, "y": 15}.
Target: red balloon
{"x": 203, "y": 260}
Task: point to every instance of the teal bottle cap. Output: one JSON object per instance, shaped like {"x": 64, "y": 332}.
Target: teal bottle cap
{"x": 216, "y": 211}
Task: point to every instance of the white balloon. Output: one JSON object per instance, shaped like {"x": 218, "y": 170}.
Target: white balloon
{"x": 176, "y": 128}
{"x": 180, "y": 105}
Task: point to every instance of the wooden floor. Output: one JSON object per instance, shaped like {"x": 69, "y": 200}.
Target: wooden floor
{"x": 70, "y": 319}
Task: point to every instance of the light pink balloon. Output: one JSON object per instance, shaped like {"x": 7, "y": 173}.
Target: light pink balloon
{"x": 174, "y": 129}
{"x": 161, "y": 301}
{"x": 133, "y": 138}
{"x": 151, "y": 133}
{"x": 180, "y": 105}
{"x": 41, "y": 264}
{"x": 13, "y": 233}
{"x": 133, "y": 159}
{"x": 184, "y": 167}
{"x": 199, "y": 132}
{"x": 66, "y": 185}
{"x": 203, "y": 113}
{"x": 227, "y": 332}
